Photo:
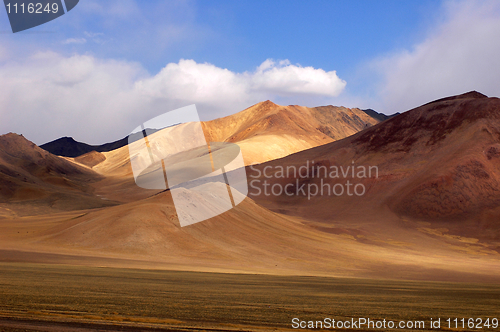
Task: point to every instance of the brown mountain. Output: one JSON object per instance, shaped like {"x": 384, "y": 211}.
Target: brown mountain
{"x": 34, "y": 181}
{"x": 288, "y": 128}
{"x": 264, "y": 132}
{"x": 438, "y": 172}
{"x": 268, "y": 131}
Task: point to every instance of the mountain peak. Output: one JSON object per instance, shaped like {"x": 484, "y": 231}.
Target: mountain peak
{"x": 65, "y": 139}
{"x": 468, "y": 95}
{"x": 266, "y": 105}
{"x": 472, "y": 94}
{"x": 431, "y": 122}
{"x": 11, "y": 136}
{"x": 13, "y": 142}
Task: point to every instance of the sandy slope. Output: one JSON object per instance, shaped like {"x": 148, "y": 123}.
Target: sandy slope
{"x": 33, "y": 181}
{"x": 248, "y": 238}
{"x": 439, "y": 173}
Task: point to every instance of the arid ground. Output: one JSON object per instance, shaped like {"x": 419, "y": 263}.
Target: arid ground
{"x": 71, "y": 298}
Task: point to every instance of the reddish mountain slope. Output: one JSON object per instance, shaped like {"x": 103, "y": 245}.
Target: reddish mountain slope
{"x": 438, "y": 164}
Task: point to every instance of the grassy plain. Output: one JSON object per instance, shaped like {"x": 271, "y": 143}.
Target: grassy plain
{"x": 74, "y": 298}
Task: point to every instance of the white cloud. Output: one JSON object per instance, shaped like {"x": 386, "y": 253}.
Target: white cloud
{"x": 192, "y": 82}
{"x": 47, "y": 95}
{"x": 286, "y": 79}
{"x": 206, "y": 83}
{"x": 459, "y": 54}
{"x": 75, "y": 41}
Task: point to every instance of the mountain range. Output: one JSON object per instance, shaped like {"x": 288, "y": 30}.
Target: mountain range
{"x": 68, "y": 147}
{"x": 430, "y": 211}
{"x": 293, "y": 127}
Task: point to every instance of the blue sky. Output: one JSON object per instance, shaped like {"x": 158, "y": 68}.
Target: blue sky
{"x": 238, "y": 35}
{"x": 108, "y": 65}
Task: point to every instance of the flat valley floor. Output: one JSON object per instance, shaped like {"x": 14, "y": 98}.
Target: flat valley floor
{"x": 45, "y": 297}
